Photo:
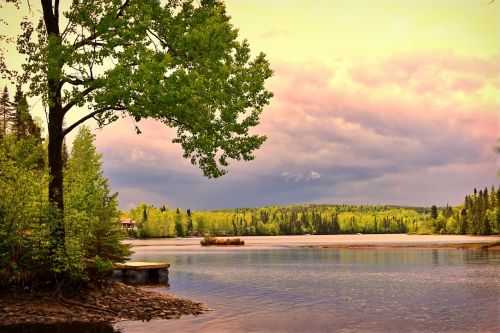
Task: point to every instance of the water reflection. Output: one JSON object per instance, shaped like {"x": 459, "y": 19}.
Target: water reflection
{"x": 318, "y": 290}
{"x": 359, "y": 290}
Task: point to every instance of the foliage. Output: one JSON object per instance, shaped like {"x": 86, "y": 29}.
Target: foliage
{"x": 481, "y": 212}
{"x": 153, "y": 222}
{"x": 291, "y": 220}
{"x": 27, "y": 220}
{"x": 91, "y": 216}
{"x": 23, "y": 125}
{"x": 24, "y": 212}
{"x": 180, "y": 229}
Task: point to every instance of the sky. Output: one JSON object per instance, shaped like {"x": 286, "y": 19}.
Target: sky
{"x": 375, "y": 102}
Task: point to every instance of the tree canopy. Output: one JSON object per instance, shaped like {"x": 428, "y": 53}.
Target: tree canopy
{"x": 177, "y": 61}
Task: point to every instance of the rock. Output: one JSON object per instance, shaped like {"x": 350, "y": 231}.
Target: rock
{"x": 126, "y": 302}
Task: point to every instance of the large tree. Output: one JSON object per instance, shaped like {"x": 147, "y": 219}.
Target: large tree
{"x": 176, "y": 61}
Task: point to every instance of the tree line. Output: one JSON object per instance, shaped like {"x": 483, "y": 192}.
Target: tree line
{"x": 480, "y": 215}
{"x": 273, "y": 220}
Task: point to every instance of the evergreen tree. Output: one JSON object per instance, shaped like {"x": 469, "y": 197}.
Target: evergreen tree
{"x": 190, "y": 222}
{"x": 336, "y": 226}
{"x": 6, "y": 112}
{"x": 23, "y": 124}
{"x": 486, "y": 226}
{"x": 434, "y": 213}
{"x": 179, "y": 226}
{"x": 463, "y": 222}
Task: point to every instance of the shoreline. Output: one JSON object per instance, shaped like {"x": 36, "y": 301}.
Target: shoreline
{"x": 300, "y": 241}
{"x": 493, "y": 246}
{"x": 112, "y": 303}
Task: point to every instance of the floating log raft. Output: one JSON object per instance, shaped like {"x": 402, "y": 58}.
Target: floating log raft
{"x": 137, "y": 272}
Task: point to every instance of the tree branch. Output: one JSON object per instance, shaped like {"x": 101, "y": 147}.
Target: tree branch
{"x": 89, "y": 39}
{"x": 122, "y": 8}
{"x": 73, "y": 102}
{"x": 162, "y": 42}
{"x": 88, "y": 116}
{"x": 73, "y": 80}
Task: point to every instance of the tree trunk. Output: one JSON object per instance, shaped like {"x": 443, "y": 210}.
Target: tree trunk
{"x": 56, "y": 117}
{"x": 56, "y": 166}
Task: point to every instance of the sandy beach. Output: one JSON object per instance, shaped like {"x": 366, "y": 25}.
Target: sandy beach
{"x": 270, "y": 242}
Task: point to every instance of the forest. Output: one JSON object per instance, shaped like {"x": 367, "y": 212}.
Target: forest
{"x": 479, "y": 215}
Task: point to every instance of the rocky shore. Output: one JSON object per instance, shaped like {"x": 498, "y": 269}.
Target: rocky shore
{"x": 110, "y": 303}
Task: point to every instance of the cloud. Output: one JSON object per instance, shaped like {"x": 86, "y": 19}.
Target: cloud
{"x": 293, "y": 176}
{"x": 411, "y": 128}
{"x": 273, "y": 33}
{"x": 313, "y": 175}
{"x": 298, "y": 176}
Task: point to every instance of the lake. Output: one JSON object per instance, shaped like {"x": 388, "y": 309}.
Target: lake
{"x": 267, "y": 287}
{"x": 273, "y": 284}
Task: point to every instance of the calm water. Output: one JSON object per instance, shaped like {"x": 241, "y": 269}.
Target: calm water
{"x": 325, "y": 290}
{"x": 332, "y": 290}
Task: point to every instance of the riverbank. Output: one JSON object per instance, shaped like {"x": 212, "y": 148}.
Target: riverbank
{"x": 112, "y": 303}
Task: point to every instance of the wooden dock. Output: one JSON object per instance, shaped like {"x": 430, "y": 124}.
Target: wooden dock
{"x": 138, "y": 272}
{"x": 141, "y": 265}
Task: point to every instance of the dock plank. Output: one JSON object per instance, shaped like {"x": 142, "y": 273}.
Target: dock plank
{"x": 140, "y": 265}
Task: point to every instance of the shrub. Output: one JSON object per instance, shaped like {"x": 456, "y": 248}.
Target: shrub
{"x": 208, "y": 240}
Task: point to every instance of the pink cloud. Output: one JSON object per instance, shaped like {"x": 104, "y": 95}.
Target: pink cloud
{"x": 429, "y": 72}
{"x": 311, "y": 110}
{"x": 371, "y": 131}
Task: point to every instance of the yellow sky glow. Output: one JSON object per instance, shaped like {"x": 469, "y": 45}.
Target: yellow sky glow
{"x": 325, "y": 30}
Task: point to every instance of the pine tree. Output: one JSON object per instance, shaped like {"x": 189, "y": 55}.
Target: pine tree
{"x": 336, "y": 226}
{"x": 190, "y": 227}
{"x": 179, "y": 226}
{"x": 486, "y": 226}
{"x": 463, "y": 222}
{"x": 486, "y": 199}
{"x": 6, "y": 112}
{"x": 434, "y": 213}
